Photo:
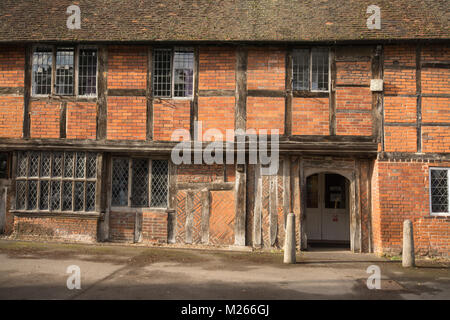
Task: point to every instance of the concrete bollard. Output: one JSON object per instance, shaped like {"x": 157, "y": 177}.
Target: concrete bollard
{"x": 289, "y": 243}
{"x": 408, "y": 258}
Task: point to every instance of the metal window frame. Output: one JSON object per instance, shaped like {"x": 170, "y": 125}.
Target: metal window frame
{"x": 172, "y": 72}
{"x": 130, "y": 180}
{"x": 75, "y": 68}
{"x": 183, "y": 49}
{"x": 150, "y": 185}
{"x": 61, "y": 179}
{"x": 52, "y": 50}
{"x": 154, "y": 74}
{"x": 327, "y": 49}
{"x": 310, "y": 71}
{"x": 441, "y": 214}
{"x": 76, "y": 50}
{"x": 77, "y": 71}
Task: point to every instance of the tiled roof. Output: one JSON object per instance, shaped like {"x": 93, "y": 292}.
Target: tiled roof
{"x": 223, "y": 20}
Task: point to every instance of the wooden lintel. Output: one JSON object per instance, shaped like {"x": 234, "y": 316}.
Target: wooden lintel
{"x": 127, "y": 92}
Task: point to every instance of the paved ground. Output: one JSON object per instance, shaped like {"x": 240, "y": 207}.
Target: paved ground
{"x": 38, "y": 271}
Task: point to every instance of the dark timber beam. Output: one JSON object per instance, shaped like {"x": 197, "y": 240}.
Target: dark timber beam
{"x": 102, "y": 94}
{"x": 27, "y": 92}
{"x": 240, "y": 123}
{"x": 419, "y": 96}
{"x": 149, "y": 94}
{"x": 63, "y": 120}
{"x": 332, "y": 93}
{"x": 194, "y": 102}
{"x": 377, "y": 97}
{"x": 289, "y": 95}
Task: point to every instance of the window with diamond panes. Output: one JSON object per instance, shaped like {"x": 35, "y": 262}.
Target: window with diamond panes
{"x": 159, "y": 183}
{"x": 310, "y": 69}
{"x": 56, "y": 181}
{"x": 139, "y": 182}
{"x": 439, "y": 193}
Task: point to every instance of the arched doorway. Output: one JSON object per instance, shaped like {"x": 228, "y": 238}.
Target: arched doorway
{"x": 327, "y": 209}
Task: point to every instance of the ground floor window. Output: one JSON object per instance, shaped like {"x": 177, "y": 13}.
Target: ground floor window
{"x": 139, "y": 182}
{"x": 56, "y": 181}
{"x": 439, "y": 191}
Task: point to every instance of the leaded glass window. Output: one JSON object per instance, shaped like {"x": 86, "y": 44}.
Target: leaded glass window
{"x": 439, "y": 193}
{"x": 64, "y": 71}
{"x": 42, "y": 71}
{"x": 173, "y": 73}
{"x": 310, "y": 69}
{"x": 159, "y": 183}
{"x": 139, "y": 182}
{"x": 87, "y": 72}
{"x": 55, "y": 181}
{"x": 69, "y": 78}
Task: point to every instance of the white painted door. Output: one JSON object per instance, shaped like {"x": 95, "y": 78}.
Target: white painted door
{"x": 327, "y": 212}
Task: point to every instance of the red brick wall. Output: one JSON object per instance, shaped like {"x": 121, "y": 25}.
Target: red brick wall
{"x": 350, "y": 98}
{"x": 154, "y": 226}
{"x": 217, "y": 67}
{"x": 12, "y": 66}
{"x": 11, "y": 117}
{"x": 197, "y": 173}
{"x": 432, "y": 236}
{"x": 400, "y": 139}
{"x": 127, "y": 67}
{"x": 400, "y": 81}
{"x": 436, "y": 139}
{"x": 353, "y": 72}
{"x": 400, "y": 109}
{"x": 45, "y": 119}
{"x": 396, "y": 54}
{"x": 266, "y": 69}
{"x": 354, "y": 123}
{"x": 216, "y": 113}
{"x": 400, "y": 78}
{"x": 265, "y": 113}
{"x": 435, "y": 81}
{"x": 435, "y": 109}
{"x": 310, "y": 116}
{"x": 121, "y": 226}
{"x": 81, "y": 120}
{"x": 401, "y": 192}
{"x": 62, "y": 228}
{"x": 353, "y": 104}
{"x": 169, "y": 115}
{"x": 436, "y": 53}
{"x": 127, "y": 118}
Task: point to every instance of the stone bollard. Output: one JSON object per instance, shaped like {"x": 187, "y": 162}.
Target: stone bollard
{"x": 289, "y": 243}
{"x": 408, "y": 258}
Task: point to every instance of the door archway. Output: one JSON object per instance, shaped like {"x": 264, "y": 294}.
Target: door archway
{"x": 327, "y": 209}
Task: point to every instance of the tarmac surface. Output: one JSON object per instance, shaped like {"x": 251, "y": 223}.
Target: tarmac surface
{"x": 36, "y": 270}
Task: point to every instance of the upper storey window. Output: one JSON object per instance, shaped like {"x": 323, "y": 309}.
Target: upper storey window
{"x": 173, "y": 73}
{"x": 75, "y": 71}
{"x": 310, "y": 69}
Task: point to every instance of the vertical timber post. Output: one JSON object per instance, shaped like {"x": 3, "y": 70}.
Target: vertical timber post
{"x": 240, "y": 124}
